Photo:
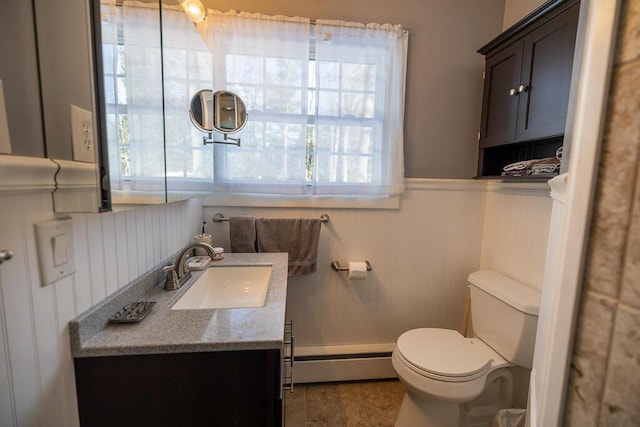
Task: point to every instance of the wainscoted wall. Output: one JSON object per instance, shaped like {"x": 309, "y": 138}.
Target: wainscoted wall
{"x": 37, "y": 385}
{"x": 421, "y": 256}
{"x": 516, "y": 224}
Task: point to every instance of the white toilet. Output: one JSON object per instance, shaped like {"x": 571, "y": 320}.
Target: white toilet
{"x": 453, "y": 381}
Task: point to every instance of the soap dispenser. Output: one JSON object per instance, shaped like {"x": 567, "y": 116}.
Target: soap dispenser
{"x": 203, "y": 238}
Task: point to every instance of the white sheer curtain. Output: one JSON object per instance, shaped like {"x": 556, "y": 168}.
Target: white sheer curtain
{"x": 265, "y": 60}
{"x": 153, "y": 146}
{"x": 110, "y": 17}
{"x": 187, "y": 68}
{"x": 359, "y": 83}
{"x": 143, "y": 81}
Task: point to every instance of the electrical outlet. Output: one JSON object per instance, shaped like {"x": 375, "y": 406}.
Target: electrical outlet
{"x": 82, "y": 135}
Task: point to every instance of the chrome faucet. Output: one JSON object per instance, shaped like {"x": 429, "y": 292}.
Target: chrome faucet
{"x": 178, "y": 273}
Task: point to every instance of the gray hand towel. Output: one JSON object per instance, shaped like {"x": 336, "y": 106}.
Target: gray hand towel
{"x": 242, "y": 233}
{"x": 297, "y": 236}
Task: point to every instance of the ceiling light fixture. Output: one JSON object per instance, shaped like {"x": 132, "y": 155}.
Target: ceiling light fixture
{"x": 194, "y": 10}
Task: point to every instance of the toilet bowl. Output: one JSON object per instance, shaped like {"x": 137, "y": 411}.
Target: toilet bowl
{"x": 451, "y": 380}
{"x": 443, "y": 364}
{"x": 441, "y": 369}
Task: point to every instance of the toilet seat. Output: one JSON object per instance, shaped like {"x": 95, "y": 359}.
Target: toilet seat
{"x": 445, "y": 355}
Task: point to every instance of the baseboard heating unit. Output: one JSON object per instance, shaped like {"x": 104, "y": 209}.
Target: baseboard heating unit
{"x": 343, "y": 363}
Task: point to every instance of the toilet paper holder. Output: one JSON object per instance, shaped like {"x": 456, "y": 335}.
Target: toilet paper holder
{"x": 337, "y": 267}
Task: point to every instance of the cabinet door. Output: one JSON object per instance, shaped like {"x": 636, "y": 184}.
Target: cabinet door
{"x": 223, "y": 388}
{"x": 546, "y": 76}
{"x": 500, "y": 107}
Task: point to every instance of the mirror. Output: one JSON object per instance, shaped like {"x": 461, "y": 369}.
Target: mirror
{"x": 223, "y": 111}
{"x": 130, "y": 92}
{"x": 48, "y": 94}
{"x": 131, "y": 68}
{"x": 153, "y": 58}
{"x": 19, "y": 76}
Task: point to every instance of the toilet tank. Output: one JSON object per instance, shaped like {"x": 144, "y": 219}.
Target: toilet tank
{"x": 504, "y": 313}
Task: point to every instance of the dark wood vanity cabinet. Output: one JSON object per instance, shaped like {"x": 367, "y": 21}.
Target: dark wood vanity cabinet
{"x": 226, "y": 388}
{"x": 526, "y": 88}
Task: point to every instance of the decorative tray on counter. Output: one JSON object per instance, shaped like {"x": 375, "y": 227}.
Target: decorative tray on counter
{"x": 133, "y": 312}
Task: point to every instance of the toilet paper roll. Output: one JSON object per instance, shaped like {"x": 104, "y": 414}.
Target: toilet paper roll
{"x": 357, "y": 270}
{"x": 202, "y": 238}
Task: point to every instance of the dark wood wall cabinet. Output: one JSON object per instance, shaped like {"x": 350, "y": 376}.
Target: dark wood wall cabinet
{"x": 526, "y": 88}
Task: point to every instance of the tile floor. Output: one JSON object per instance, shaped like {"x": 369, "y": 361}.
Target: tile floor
{"x": 359, "y": 403}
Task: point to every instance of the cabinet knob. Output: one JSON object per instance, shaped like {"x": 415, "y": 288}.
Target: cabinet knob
{"x": 522, "y": 88}
{"x": 513, "y": 92}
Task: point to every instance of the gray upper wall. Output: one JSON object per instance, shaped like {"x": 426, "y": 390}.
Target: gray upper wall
{"x": 19, "y": 75}
{"x": 52, "y": 69}
{"x": 515, "y": 10}
{"x": 65, "y": 69}
{"x": 444, "y": 76}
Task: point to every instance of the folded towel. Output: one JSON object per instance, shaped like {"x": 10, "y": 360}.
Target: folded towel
{"x": 515, "y": 173}
{"x": 242, "y": 233}
{"x": 297, "y": 236}
{"x": 528, "y": 167}
{"x": 545, "y": 172}
{"x": 545, "y": 161}
{"x": 518, "y": 166}
{"x": 548, "y": 168}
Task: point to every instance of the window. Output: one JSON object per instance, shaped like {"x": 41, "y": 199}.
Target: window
{"x": 325, "y": 105}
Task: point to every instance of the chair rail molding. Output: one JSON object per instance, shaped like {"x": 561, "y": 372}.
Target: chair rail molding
{"x": 76, "y": 187}
{"x": 444, "y": 184}
{"x": 19, "y": 174}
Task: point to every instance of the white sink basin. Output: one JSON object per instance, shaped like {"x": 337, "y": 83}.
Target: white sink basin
{"x": 227, "y": 287}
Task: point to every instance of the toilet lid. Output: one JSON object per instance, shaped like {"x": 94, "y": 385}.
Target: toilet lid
{"x": 446, "y": 353}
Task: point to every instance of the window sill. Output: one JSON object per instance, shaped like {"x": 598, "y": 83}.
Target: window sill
{"x": 268, "y": 201}
{"x": 132, "y": 197}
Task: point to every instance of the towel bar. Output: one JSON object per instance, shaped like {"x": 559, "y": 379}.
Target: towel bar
{"x": 221, "y": 218}
{"x": 337, "y": 267}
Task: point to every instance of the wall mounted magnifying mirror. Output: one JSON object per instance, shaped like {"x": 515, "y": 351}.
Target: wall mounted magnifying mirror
{"x": 221, "y": 111}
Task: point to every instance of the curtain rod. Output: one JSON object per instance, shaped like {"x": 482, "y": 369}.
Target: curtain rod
{"x": 313, "y": 22}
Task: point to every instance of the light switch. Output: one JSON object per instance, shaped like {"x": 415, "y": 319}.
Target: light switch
{"x": 54, "y": 240}
{"x": 59, "y": 247}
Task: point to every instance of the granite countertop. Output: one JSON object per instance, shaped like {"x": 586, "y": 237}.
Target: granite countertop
{"x": 184, "y": 331}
